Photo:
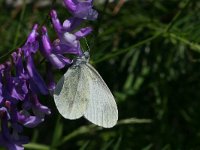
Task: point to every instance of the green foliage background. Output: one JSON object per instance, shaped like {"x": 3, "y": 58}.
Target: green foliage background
{"x": 148, "y": 53}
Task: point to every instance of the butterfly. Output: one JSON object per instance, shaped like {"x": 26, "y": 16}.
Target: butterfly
{"x": 81, "y": 91}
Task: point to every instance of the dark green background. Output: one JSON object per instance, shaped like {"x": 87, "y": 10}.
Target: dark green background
{"x": 149, "y": 55}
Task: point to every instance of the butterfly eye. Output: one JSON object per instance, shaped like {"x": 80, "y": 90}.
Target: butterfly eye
{"x": 87, "y": 55}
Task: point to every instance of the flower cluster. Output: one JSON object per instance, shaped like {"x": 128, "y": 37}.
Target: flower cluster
{"x": 21, "y": 83}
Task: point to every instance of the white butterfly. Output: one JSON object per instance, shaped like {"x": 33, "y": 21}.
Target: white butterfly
{"x": 82, "y": 92}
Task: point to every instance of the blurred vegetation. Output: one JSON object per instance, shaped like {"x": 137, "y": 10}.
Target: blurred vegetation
{"x": 148, "y": 53}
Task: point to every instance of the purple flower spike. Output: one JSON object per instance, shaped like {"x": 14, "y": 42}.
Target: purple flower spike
{"x": 54, "y": 57}
{"x": 21, "y": 83}
{"x": 37, "y": 84}
{"x": 81, "y": 9}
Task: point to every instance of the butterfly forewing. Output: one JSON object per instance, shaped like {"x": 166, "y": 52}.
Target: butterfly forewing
{"x": 102, "y": 108}
{"x": 71, "y": 93}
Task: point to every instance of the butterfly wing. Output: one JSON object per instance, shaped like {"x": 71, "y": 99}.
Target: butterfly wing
{"x": 71, "y": 93}
{"x": 101, "y": 108}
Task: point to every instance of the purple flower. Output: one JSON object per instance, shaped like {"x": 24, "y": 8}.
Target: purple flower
{"x": 18, "y": 62}
{"x": 81, "y": 9}
{"x": 15, "y": 87}
{"x": 68, "y": 42}
{"x": 48, "y": 50}
{"x": 37, "y": 84}
{"x": 31, "y": 45}
{"x": 32, "y": 104}
{"x": 12, "y": 140}
{"x": 68, "y": 25}
{"x": 8, "y": 110}
{"x": 20, "y": 89}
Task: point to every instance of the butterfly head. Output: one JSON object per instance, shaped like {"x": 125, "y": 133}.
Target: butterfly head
{"x": 83, "y": 59}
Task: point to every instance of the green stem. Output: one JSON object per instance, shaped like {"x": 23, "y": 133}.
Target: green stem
{"x": 17, "y": 32}
{"x": 193, "y": 46}
{"x": 169, "y": 26}
{"x": 19, "y": 25}
{"x": 119, "y": 52}
{"x": 89, "y": 128}
{"x": 35, "y": 146}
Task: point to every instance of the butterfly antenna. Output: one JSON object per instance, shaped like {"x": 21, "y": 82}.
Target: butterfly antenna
{"x": 87, "y": 44}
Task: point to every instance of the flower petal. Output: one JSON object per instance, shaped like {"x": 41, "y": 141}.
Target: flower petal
{"x": 81, "y": 9}
{"x": 56, "y": 22}
{"x": 29, "y": 121}
{"x": 31, "y": 45}
{"x": 36, "y": 82}
{"x": 51, "y": 84}
{"x": 83, "y": 32}
{"x": 56, "y": 59}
